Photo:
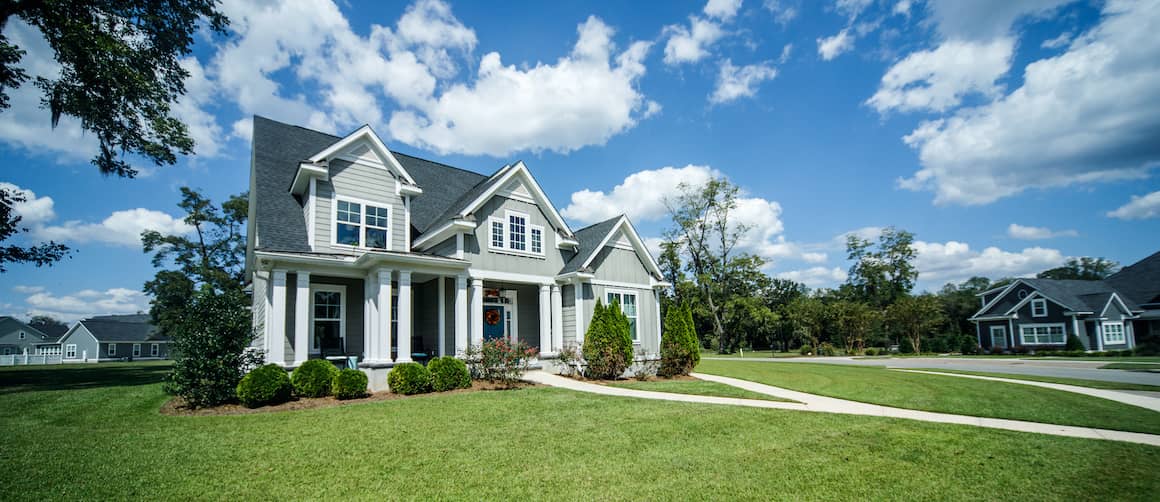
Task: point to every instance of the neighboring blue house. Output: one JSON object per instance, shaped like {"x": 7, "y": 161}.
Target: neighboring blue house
{"x": 1113, "y": 314}
{"x": 113, "y": 338}
{"x": 358, "y": 251}
{"x": 19, "y": 338}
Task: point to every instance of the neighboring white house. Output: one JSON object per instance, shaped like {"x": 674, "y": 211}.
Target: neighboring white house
{"x": 113, "y": 338}
{"x": 359, "y": 251}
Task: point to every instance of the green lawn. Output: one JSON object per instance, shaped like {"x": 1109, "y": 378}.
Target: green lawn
{"x": 750, "y": 353}
{"x": 94, "y": 433}
{"x": 1131, "y": 366}
{"x": 942, "y": 394}
{"x": 697, "y": 387}
{"x": 1095, "y": 384}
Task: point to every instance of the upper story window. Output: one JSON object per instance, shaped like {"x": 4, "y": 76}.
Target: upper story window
{"x": 22, "y": 335}
{"x": 362, "y": 225}
{"x": 1039, "y": 308}
{"x": 513, "y": 232}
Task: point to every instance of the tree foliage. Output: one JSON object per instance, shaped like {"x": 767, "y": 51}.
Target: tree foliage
{"x": 208, "y": 340}
{"x": 882, "y": 273}
{"x": 607, "y": 343}
{"x": 807, "y": 315}
{"x": 853, "y": 322}
{"x": 679, "y": 350}
{"x": 915, "y": 317}
{"x": 37, "y": 254}
{"x": 47, "y": 324}
{"x": 1084, "y": 269}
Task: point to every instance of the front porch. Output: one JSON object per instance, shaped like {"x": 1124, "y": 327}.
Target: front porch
{"x": 385, "y": 315}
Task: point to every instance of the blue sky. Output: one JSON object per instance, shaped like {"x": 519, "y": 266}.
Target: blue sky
{"x": 1007, "y": 135}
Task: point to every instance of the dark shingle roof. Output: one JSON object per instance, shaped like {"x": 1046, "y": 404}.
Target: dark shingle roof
{"x": 278, "y": 149}
{"x": 1139, "y": 281}
{"x": 123, "y": 328}
{"x": 589, "y": 238}
{"x": 9, "y": 324}
{"x": 1078, "y": 295}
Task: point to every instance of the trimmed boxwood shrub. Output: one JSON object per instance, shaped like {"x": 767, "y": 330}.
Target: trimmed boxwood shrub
{"x": 313, "y": 378}
{"x": 349, "y": 384}
{"x": 264, "y": 386}
{"x": 448, "y": 373}
{"x": 806, "y": 350}
{"x": 409, "y": 378}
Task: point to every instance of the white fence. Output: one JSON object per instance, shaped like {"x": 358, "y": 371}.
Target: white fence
{"x": 25, "y": 359}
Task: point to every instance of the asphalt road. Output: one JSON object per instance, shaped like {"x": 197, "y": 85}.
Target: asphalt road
{"x": 1087, "y": 370}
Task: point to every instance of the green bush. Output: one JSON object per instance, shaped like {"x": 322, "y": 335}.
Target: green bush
{"x": 448, "y": 373}
{"x": 409, "y": 378}
{"x": 679, "y": 351}
{"x": 827, "y": 350}
{"x": 500, "y": 362}
{"x": 871, "y": 351}
{"x": 968, "y": 346}
{"x": 607, "y": 343}
{"x": 806, "y": 350}
{"x": 906, "y": 346}
{"x": 349, "y": 384}
{"x": 209, "y": 340}
{"x": 313, "y": 378}
{"x": 264, "y": 386}
{"x": 1073, "y": 343}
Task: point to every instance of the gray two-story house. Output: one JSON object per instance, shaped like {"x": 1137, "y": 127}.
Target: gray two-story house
{"x": 1038, "y": 314}
{"x": 357, "y": 251}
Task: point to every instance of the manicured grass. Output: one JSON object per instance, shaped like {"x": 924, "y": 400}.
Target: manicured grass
{"x": 105, "y": 440}
{"x": 1095, "y": 384}
{"x": 750, "y": 353}
{"x": 697, "y": 387}
{"x": 1131, "y": 366}
{"x": 946, "y": 394}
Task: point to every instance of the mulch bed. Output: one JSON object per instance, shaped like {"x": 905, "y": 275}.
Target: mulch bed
{"x": 678, "y": 378}
{"x": 176, "y": 406}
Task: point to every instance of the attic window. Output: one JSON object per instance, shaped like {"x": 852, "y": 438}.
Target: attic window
{"x": 22, "y": 335}
{"x": 1022, "y": 294}
{"x": 1038, "y": 308}
{"x": 514, "y": 233}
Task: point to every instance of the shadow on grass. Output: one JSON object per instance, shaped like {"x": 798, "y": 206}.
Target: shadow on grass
{"x": 71, "y": 377}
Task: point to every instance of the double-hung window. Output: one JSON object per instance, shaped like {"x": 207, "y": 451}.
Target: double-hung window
{"x": 514, "y": 232}
{"x": 627, "y": 302}
{"x": 70, "y": 351}
{"x": 154, "y": 350}
{"x": 1042, "y": 334}
{"x": 361, "y": 225}
{"x": 112, "y": 349}
{"x": 136, "y": 350}
{"x": 1113, "y": 333}
{"x": 1038, "y": 308}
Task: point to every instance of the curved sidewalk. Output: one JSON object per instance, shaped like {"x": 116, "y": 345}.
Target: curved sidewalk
{"x": 811, "y": 402}
{"x": 1142, "y": 401}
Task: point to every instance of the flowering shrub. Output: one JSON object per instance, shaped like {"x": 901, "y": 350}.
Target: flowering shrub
{"x": 499, "y": 361}
{"x": 571, "y": 361}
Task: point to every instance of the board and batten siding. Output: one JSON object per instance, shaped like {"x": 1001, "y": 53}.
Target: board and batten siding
{"x": 362, "y": 182}
{"x": 568, "y": 301}
{"x": 258, "y": 309}
{"x": 477, "y": 250}
{"x": 620, "y": 265}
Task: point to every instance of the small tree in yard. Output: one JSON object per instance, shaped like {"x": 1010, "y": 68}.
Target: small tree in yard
{"x": 209, "y": 342}
{"x": 915, "y": 316}
{"x": 607, "y": 343}
{"x": 679, "y": 350}
{"x": 807, "y": 315}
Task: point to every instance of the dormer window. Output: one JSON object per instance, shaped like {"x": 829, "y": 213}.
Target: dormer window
{"x": 362, "y": 225}
{"x": 514, "y": 233}
{"x": 1038, "y": 308}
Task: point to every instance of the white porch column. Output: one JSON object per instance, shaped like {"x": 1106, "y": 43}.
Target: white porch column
{"x": 557, "y": 319}
{"x": 370, "y": 317}
{"x": 545, "y": 318}
{"x": 476, "y": 312}
{"x": 302, "y": 319}
{"x": 460, "y": 314}
{"x": 276, "y": 328}
{"x": 382, "y": 350}
{"x": 442, "y": 291}
{"x": 579, "y": 290}
{"x": 1099, "y": 336}
{"x": 404, "y": 317}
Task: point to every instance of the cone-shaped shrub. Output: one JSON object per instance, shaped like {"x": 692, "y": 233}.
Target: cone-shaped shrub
{"x": 607, "y": 343}
{"x": 679, "y": 352}
{"x": 691, "y": 333}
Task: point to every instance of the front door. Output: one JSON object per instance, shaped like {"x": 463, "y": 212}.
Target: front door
{"x": 998, "y": 337}
{"x": 493, "y": 319}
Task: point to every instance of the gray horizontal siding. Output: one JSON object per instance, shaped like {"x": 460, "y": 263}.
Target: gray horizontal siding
{"x": 363, "y": 182}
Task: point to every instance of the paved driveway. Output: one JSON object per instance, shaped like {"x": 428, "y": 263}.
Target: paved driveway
{"x": 1087, "y": 370}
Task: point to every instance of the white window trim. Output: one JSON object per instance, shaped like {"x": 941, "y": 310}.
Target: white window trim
{"x": 136, "y": 350}
{"x": 1002, "y": 333}
{"x": 636, "y": 298}
{"x": 22, "y": 335}
{"x": 341, "y": 290}
{"x": 111, "y": 349}
{"x": 507, "y": 216}
{"x": 507, "y": 248}
{"x": 1041, "y": 303}
{"x": 543, "y": 239}
{"x": 154, "y": 350}
{"x": 70, "y": 351}
{"x": 491, "y": 234}
{"x": 1123, "y": 338}
{"x": 1062, "y": 327}
{"x": 361, "y": 222}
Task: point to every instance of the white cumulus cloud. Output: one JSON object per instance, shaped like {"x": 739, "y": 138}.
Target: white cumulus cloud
{"x": 735, "y": 82}
{"x": 120, "y": 228}
{"x": 689, "y": 44}
{"x": 641, "y": 195}
{"x": 1139, "y": 207}
{"x": 835, "y": 45}
{"x": 84, "y": 303}
{"x": 33, "y": 211}
{"x": 722, "y": 9}
{"x": 938, "y": 79}
{"x": 953, "y": 261}
{"x": 816, "y": 277}
{"x": 1018, "y": 231}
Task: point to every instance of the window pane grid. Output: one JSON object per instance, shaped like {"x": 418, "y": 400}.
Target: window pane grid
{"x": 517, "y": 229}
{"x": 497, "y": 234}
{"x": 537, "y": 241}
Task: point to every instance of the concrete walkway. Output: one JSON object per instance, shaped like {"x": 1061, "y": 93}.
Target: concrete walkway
{"x": 1133, "y": 399}
{"x": 811, "y": 402}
